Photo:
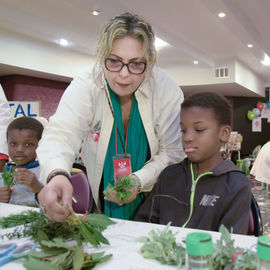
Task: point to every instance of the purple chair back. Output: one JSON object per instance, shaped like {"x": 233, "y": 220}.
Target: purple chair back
{"x": 251, "y": 223}
{"x": 82, "y": 193}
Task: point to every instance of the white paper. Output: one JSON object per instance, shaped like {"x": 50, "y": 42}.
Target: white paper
{"x": 257, "y": 124}
{"x": 265, "y": 112}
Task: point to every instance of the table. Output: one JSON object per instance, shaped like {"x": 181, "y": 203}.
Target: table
{"x": 121, "y": 236}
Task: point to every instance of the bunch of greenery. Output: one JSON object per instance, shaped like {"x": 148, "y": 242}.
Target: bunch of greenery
{"x": 227, "y": 257}
{"x": 8, "y": 176}
{"x": 162, "y": 246}
{"x": 59, "y": 255}
{"x": 122, "y": 188}
{"x": 223, "y": 250}
{"x": 83, "y": 229}
{"x": 52, "y": 237}
{"x": 246, "y": 260}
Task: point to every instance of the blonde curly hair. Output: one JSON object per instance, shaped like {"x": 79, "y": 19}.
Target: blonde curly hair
{"x": 127, "y": 24}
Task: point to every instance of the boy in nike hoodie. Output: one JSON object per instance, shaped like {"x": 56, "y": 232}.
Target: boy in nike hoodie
{"x": 23, "y": 135}
{"x": 203, "y": 191}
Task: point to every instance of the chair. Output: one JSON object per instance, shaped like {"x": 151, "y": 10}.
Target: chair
{"x": 243, "y": 165}
{"x": 255, "y": 226}
{"x": 255, "y": 153}
{"x": 82, "y": 193}
{"x": 246, "y": 163}
{"x": 79, "y": 167}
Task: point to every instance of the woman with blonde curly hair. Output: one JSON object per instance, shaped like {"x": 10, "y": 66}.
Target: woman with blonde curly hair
{"x": 124, "y": 110}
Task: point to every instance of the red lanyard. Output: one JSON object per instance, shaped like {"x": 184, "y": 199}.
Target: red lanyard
{"x": 125, "y": 148}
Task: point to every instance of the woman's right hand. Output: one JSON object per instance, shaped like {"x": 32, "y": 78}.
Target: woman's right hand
{"x": 54, "y": 196}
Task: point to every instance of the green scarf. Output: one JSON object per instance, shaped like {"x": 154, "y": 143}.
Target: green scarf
{"x": 136, "y": 147}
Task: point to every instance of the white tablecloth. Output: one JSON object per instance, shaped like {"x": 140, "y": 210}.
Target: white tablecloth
{"x": 125, "y": 250}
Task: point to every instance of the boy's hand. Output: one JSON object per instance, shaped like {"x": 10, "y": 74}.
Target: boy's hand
{"x": 28, "y": 178}
{"x": 5, "y": 193}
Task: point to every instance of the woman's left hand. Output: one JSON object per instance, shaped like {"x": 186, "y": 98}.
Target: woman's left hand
{"x": 134, "y": 192}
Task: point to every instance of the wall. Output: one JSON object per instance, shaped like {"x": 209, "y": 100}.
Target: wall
{"x": 49, "y": 92}
{"x": 241, "y": 105}
{"x": 24, "y": 88}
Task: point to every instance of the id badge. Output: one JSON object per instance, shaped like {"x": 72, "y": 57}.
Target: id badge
{"x": 121, "y": 166}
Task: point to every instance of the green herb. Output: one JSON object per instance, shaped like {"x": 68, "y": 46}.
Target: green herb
{"x": 76, "y": 227}
{"x": 122, "y": 188}
{"x": 57, "y": 254}
{"x": 21, "y": 219}
{"x": 245, "y": 261}
{"x": 223, "y": 250}
{"x": 8, "y": 176}
{"x": 87, "y": 231}
{"x": 161, "y": 246}
{"x": 227, "y": 257}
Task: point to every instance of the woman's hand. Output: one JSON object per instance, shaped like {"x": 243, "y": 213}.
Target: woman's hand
{"x": 5, "y": 193}
{"x": 28, "y": 178}
{"x": 112, "y": 196}
{"x": 55, "y": 196}
{"x": 134, "y": 192}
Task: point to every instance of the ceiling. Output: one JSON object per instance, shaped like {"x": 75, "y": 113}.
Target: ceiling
{"x": 191, "y": 27}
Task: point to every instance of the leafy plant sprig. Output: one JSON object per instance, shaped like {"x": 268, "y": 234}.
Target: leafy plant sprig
{"x": 20, "y": 219}
{"x": 88, "y": 232}
{"x": 223, "y": 250}
{"x": 8, "y": 176}
{"x": 162, "y": 246}
{"x": 122, "y": 188}
{"x": 245, "y": 261}
{"x": 227, "y": 257}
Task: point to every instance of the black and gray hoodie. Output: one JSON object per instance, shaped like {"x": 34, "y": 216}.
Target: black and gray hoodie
{"x": 220, "y": 196}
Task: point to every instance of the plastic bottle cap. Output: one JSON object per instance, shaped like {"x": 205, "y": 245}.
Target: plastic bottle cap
{"x": 263, "y": 247}
{"x": 199, "y": 244}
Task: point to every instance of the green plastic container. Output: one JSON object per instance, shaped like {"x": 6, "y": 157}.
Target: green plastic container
{"x": 263, "y": 252}
{"x": 199, "y": 249}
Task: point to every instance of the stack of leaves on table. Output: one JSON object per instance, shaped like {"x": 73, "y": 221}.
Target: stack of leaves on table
{"x": 57, "y": 250}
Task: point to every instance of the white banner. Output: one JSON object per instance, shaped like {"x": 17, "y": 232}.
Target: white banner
{"x": 24, "y": 108}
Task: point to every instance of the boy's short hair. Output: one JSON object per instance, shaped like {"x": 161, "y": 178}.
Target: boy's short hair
{"x": 220, "y": 105}
{"x": 26, "y": 122}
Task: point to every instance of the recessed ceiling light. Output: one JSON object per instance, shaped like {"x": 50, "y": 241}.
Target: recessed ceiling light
{"x": 159, "y": 43}
{"x": 266, "y": 60}
{"x": 63, "y": 42}
{"x": 250, "y": 45}
{"x": 221, "y": 14}
{"x": 195, "y": 62}
{"x": 95, "y": 12}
